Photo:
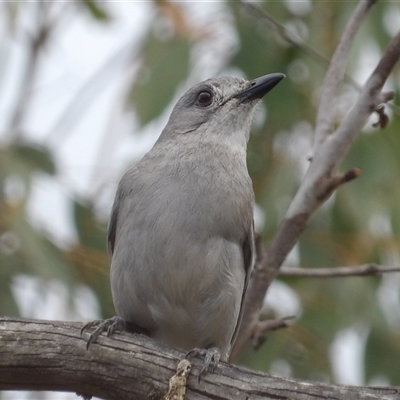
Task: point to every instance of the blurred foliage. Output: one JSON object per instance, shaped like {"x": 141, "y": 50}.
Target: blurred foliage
{"x": 89, "y": 257}
{"x": 97, "y": 10}
{"x": 360, "y": 224}
{"x": 165, "y": 66}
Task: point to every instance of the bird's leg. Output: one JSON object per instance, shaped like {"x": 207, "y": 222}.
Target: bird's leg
{"x": 212, "y": 355}
{"x": 110, "y": 325}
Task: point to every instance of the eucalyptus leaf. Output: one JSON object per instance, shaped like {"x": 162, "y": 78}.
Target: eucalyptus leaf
{"x": 90, "y": 258}
{"x": 34, "y": 157}
{"x": 165, "y": 66}
{"x": 96, "y": 10}
{"x": 91, "y": 232}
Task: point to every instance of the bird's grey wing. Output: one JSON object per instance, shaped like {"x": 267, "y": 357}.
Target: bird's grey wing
{"x": 112, "y": 225}
{"x": 249, "y": 257}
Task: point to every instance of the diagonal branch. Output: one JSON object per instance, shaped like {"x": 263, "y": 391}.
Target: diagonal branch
{"x": 302, "y": 45}
{"x": 334, "y": 76}
{"x": 294, "y": 40}
{"x": 317, "y": 186}
{"x": 36, "y": 42}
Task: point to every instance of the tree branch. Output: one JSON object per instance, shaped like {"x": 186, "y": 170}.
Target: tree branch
{"x": 317, "y": 186}
{"x": 299, "y": 43}
{"x": 263, "y": 327}
{"x": 338, "y": 272}
{"x": 51, "y": 355}
{"x": 36, "y": 42}
{"x": 336, "y": 71}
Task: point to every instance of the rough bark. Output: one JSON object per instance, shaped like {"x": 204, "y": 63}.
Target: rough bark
{"x": 52, "y": 355}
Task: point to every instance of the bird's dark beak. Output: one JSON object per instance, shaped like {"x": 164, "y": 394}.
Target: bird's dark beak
{"x": 259, "y": 87}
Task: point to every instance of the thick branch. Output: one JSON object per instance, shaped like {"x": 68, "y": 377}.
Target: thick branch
{"x": 338, "y": 272}
{"x": 51, "y": 355}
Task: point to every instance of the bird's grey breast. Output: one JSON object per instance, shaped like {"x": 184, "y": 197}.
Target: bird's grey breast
{"x": 203, "y": 190}
{"x": 186, "y": 212}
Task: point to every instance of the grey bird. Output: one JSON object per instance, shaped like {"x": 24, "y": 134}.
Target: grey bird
{"x": 181, "y": 230}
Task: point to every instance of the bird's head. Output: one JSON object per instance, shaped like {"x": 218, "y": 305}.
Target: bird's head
{"x": 221, "y": 106}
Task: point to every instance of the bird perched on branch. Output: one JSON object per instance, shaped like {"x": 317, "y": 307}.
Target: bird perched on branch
{"x": 181, "y": 230}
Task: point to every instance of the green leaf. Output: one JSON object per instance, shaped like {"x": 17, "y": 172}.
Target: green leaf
{"x": 90, "y": 257}
{"x": 91, "y": 233}
{"x": 382, "y": 347}
{"x": 34, "y": 157}
{"x": 96, "y": 11}
{"x": 8, "y": 305}
{"x": 165, "y": 66}
{"x": 39, "y": 256}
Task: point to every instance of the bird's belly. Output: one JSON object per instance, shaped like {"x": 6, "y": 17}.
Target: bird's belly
{"x": 194, "y": 304}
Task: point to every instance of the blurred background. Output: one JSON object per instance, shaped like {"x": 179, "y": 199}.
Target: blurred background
{"x": 85, "y": 89}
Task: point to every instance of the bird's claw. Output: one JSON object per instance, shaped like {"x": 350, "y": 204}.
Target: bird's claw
{"x": 211, "y": 358}
{"x": 110, "y": 325}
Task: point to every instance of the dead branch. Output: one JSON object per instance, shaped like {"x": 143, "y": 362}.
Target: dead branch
{"x": 51, "y": 355}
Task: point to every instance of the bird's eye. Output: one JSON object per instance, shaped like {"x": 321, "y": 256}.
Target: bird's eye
{"x": 204, "y": 99}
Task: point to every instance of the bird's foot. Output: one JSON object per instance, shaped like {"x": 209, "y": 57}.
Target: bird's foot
{"x": 110, "y": 325}
{"x": 211, "y": 356}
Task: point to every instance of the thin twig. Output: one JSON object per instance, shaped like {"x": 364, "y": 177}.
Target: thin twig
{"x": 263, "y": 327}
{"x": 303, "y": 46}
{"x": 295, "y": 40}
{"x": 338, "y": 272}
